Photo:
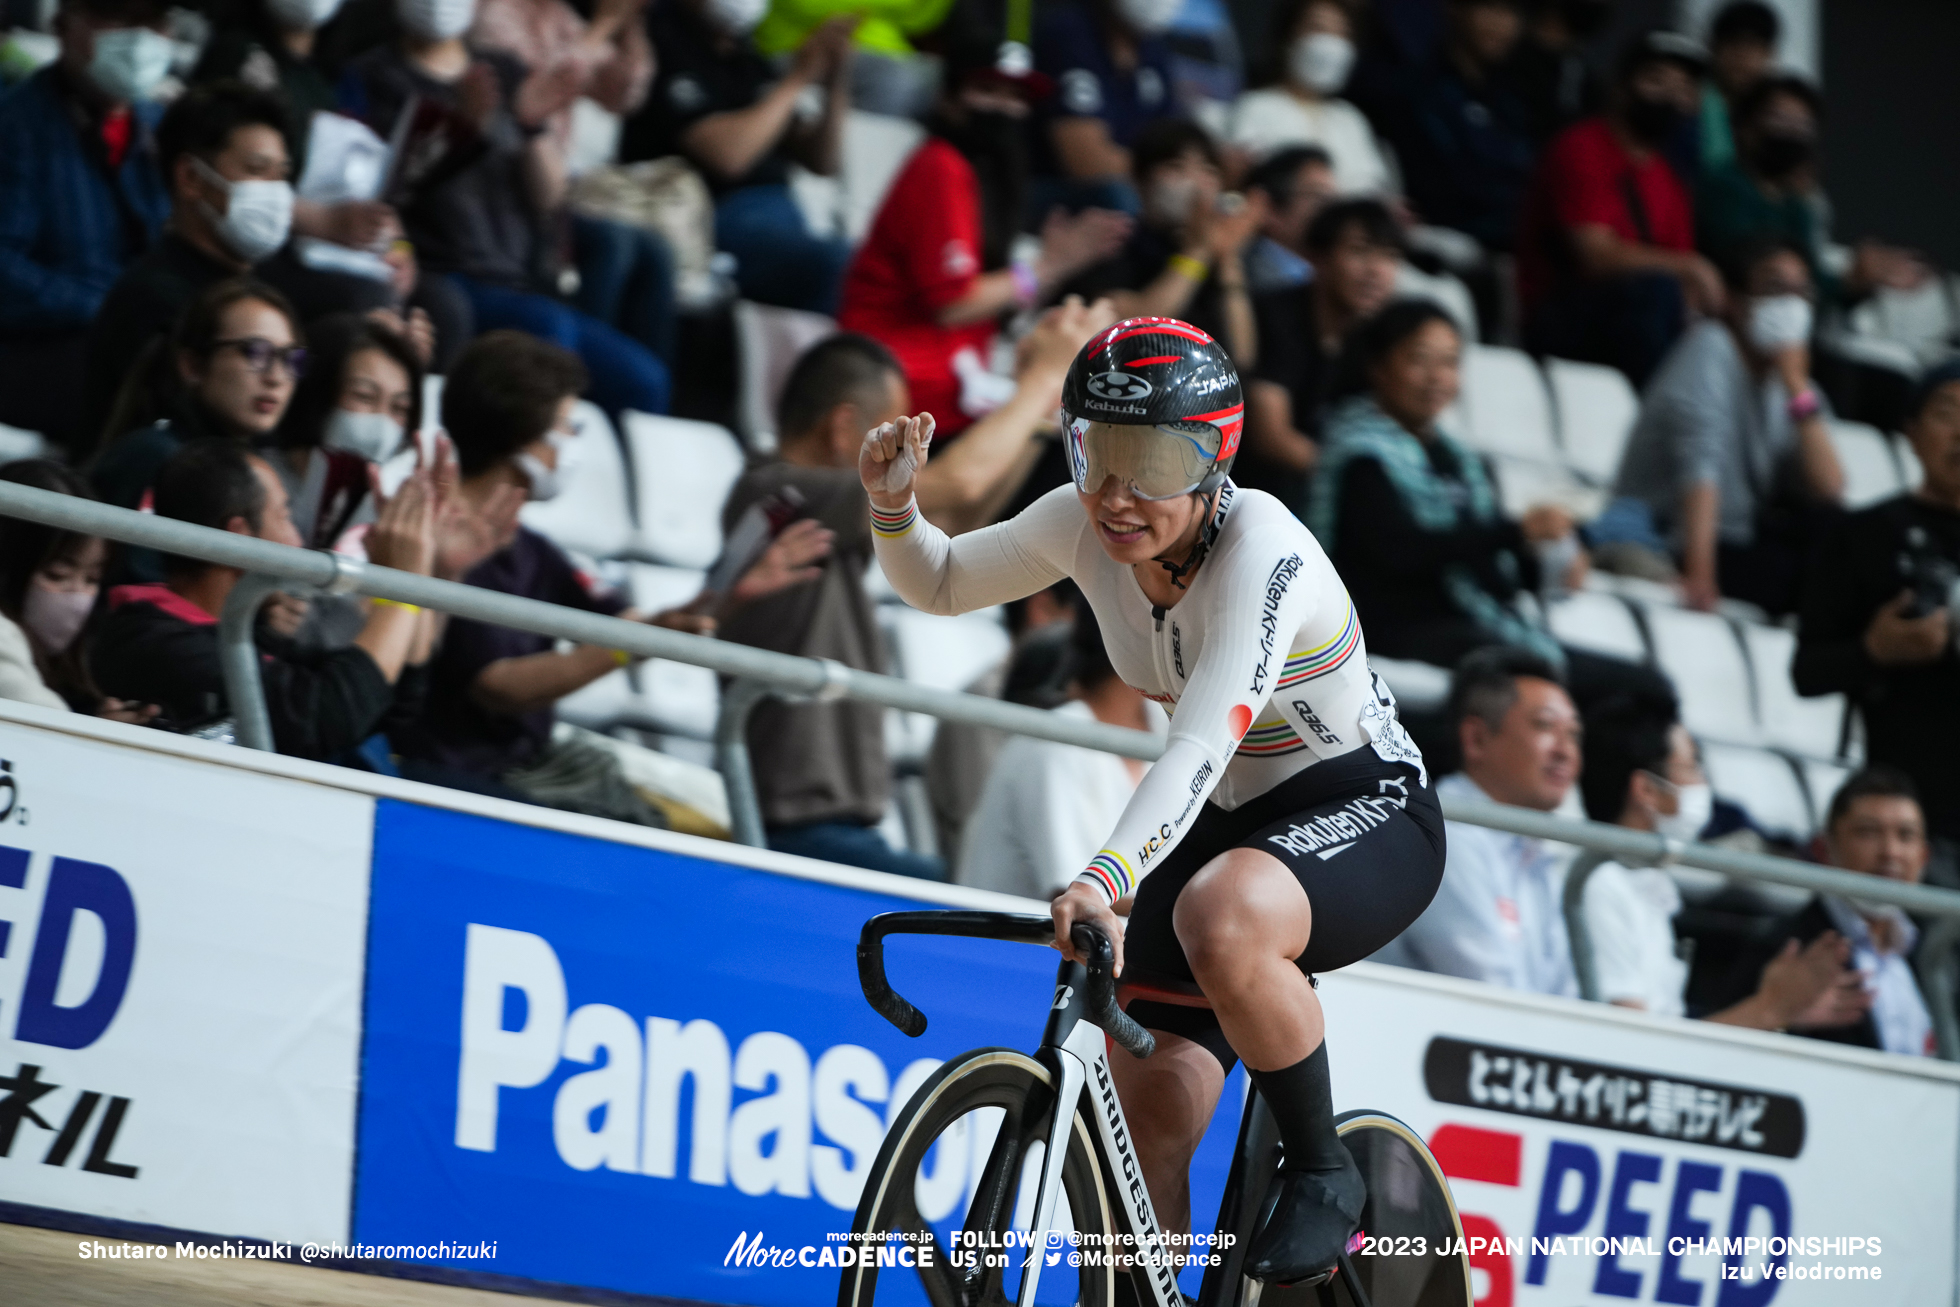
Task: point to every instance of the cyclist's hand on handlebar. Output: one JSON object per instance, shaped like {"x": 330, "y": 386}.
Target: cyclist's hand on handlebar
{"x": 890, "y": 460}
{"x": 1079, "y": 904}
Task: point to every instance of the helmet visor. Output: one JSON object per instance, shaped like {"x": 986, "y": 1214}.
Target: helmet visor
{"x": 1158, "y": 462}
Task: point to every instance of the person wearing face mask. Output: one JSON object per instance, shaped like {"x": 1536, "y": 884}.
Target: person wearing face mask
{"x": 1111, "y": 69}
{"x": 1643, "y": 772}
{"x": 1874, "y": 827}
{"x": 718, "y": 103}
{"x": 1549, "y": 71}
{"x": 1185, "y": 258}
{"x": 933, "y": 279}
{"x": 1731, "y": 455}
{"x": 223, "y": 150}
{"x": 81, "y": 195}
{"x": 1314, "y": 42}
{"x": 49, "y": 580}
{"x": 507, "y": 407}
{"x": 234, "y": 360}
{"x": 159, "y": 642}
{"x": 354, "y": 408}
{"x": 1607, "y": 268}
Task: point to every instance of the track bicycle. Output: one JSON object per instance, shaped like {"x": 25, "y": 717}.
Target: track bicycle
{"x": 1054, "y": 1178}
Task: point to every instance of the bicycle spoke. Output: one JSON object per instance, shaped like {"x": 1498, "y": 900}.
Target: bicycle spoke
{"x": 942, "y": 1283}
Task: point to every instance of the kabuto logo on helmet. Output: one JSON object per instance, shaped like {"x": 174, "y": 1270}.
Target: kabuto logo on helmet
{"x": 1119, "y": 386}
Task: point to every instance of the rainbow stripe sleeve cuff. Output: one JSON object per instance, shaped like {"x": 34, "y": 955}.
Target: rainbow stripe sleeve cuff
{"x": 894, "y": 524}
{"x": 1110, "y": 874}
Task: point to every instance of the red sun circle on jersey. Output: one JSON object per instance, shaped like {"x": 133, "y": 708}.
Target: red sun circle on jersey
{"x": 1241, "y": 721}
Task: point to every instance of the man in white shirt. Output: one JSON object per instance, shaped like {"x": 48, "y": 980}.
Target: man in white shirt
{"x": 1047, "y": 807}
{"x": 1497, "y": 916}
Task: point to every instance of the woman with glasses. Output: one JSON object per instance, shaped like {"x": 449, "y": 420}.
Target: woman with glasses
{"x": 237, "y": 353}
{"x": 1289, "y": 826}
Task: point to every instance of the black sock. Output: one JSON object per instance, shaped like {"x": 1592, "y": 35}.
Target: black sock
{"x": 1302, "y": 1103}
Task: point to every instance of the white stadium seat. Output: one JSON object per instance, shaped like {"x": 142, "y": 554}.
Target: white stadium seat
{"x": 1596, "y": 409}
{"x": 683, "y": 473}
{"x": 1823, "y": 780}
{"x": 592, "y": 514}
{"x": 1599, "y": 623}
{"x": 1700, "y": 653}
{"x": 1812, "y": 727}
{"x": 768, "y": 341}
{"x": 1870, "y": 471}
{"x": 875, "y": 147}
{"x": 1762, "y": 782}
{"x": 1910, "y": 471}
{"x": 1506, "y": 408}
{"x": 1412, "y": 282}
{"x": 1417, "y": 687}
{"x": 1523, "y": 484}
{"x": 946, "y": 653}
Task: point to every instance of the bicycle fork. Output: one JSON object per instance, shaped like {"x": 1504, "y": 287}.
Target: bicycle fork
{"x": 1077, "y": 1050}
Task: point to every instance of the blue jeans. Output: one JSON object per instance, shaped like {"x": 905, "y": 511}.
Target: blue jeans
{"x": 854, "y": 846}
{"x": 625, "y": 373}
{"x": 777, "y": 259}
{"x": 626, "y": 280}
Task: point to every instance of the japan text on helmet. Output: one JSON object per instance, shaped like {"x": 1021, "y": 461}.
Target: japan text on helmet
{"x": 1155, "y": 402}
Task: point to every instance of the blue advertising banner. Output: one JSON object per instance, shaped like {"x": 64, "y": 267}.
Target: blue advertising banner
{"x": 614, "y": 1062}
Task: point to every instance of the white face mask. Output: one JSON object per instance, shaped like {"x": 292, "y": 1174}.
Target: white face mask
{"x": 302, "y": 15}
{"x": 737, "y": 17}
{"x": 258, "y": 214}
{"x": 436, "y": 20}
{"x": 130, "y": 62}
{"x": 1320, "y": 62}
{"x": 1149, "y": 16}
{"x": 1779, "y": 320}
{"x": 1693, "y": 805}
{"x": 546, "y": 482}
{"x": 372, "y": 436}
{"x": 55, "y": 617}
{"x": 1170, "y": 203}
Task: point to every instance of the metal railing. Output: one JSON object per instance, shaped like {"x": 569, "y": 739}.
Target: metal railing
{"x": 757, "y": 674}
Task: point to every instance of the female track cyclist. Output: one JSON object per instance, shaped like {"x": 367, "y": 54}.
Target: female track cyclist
{"x": 1289, "y": 826}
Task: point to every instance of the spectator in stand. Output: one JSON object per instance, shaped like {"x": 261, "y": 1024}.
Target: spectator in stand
{"x": 721, "y": 105}
{"x": 352, "y": 410}
{"x": 1875, "y": 828}
{"x": 626, "y": 273}
{"x": 236, "y": 355}
{"x": 1769, "y": 188}
{"x": 1112, "y": 73}
{"x": 507, "y": 406}
{"x": 49, "y": 579}
{"x": 1497, "y": 915}
{"x": 159, "y": 642}
{"x": 1297, "y": 183}
{"x": 1313, "y": 45}
{"x": 1548, "y": 71}
{"x": 1047, "y": 807}
{"x": 1742, "y": 45}
{"x": 1606, "y": 262}
{"x": 1731, "y": 455}
{"x": 821, "y": 770}
{"x": 482, "y": 197}
{"x": 1354, "y": 248}
{"x": 1411, "y": 517}
{"x": 81, "y": 195}
{"x": 1185, "y": 259}
{"x": 932, "y": 278}
{"x": 1467, "y": 151}
{"x": 1643, "y": 772}
{"x": 1879, "y": 614}
{"x": 223, "y": 153}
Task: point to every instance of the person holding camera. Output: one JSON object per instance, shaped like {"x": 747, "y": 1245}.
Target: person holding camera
{"x": 1878, "y": 616}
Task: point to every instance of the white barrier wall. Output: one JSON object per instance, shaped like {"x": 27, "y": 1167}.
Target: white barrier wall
{"x": 248, "y": 996}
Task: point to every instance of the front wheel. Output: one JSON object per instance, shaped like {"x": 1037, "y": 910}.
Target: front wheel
{"x": 964, "y": 1157}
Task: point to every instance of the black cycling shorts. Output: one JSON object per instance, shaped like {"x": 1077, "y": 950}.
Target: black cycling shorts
{"x": 1363, "y": 836}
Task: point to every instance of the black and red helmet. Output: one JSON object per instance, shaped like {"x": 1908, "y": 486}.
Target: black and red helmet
{"x": 1161, "y": 375}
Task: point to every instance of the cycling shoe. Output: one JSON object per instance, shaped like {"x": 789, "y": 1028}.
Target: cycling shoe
{"x": 1308, "y": 1225}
